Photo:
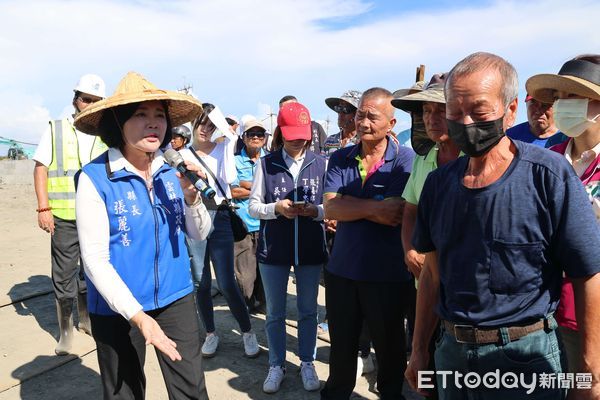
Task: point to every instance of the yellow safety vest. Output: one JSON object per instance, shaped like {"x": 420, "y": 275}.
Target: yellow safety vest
{"x": 66, "y": 161}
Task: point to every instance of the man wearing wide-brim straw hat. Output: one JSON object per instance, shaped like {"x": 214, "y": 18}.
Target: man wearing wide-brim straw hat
{"x": 575, "y": 91}
{"x": 133, "y": 212}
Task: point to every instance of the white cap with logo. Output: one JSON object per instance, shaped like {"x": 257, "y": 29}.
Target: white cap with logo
{"x": 91, "y": 84}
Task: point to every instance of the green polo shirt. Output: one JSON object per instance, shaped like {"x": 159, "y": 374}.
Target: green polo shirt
{"x": 422, "y": 166}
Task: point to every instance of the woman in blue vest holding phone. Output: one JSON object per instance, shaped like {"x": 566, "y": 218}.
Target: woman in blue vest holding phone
{"x": 133, "y": 212}
{"x": 287, "y": 196}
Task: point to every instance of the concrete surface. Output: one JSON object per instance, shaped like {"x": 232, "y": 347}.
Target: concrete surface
{"x": 30, "y": 370}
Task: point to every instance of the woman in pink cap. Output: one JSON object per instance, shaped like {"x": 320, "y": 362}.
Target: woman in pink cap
{"x": 287, "y": 196}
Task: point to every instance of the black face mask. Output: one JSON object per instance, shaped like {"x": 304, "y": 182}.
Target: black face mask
{"x": 477, "y": 138}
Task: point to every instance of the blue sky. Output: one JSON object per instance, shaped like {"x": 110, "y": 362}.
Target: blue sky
{"x": 381, "y": 10}
{"x": 244, "y": 55}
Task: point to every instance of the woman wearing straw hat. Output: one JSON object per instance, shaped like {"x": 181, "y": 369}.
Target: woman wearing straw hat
{"x": 575, "y": 91}
{"x": 133, "y": 212}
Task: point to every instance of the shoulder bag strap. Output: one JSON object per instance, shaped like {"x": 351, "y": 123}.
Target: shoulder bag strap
{"x": 211, "y": 174}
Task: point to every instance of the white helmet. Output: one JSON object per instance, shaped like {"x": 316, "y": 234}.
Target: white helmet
{"x": 91, "y": 84}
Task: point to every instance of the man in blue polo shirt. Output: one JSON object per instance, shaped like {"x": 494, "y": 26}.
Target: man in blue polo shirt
{"x": 499, "y": 226}
{"x": 246, "y": 270}
{"x": 365, "y": 278}
{"x": 539, "y": 129}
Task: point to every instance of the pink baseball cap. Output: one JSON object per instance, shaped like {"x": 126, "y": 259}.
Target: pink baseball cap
{"x": 294, "y": 122}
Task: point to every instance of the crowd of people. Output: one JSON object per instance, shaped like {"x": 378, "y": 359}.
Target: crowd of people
{"x": 472, "y": 246}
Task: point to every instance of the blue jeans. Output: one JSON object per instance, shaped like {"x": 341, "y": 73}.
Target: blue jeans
{"x": 275, "y": 281}
{"x": 538, "y": 352}
{"x": 218, "y": 248}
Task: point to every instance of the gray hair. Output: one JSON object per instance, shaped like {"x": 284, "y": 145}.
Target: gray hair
{"x": 480, "y": 61}
{"x": 380, "y": 92}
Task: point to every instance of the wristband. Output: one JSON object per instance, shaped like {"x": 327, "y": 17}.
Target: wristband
{"x": 39, "y": 210}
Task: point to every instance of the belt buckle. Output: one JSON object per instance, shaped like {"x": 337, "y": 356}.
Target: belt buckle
{"x": 471, "y": 327}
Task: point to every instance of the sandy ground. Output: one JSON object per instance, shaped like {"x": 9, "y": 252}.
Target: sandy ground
{"x": 30, "y": 370}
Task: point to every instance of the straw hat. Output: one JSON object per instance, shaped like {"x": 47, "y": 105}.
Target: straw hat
{"x": 579, "y": 77}
{"x": 433, "y": 92}
{"x": 134, "y": 88}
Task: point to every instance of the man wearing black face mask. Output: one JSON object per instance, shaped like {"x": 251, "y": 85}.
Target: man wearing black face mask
{"x": 499, "y": 227}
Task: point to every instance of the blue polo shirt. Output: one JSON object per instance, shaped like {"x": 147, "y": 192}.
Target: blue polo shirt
{"x": 245, "y": 172}
{"x": 523, "y": 133}
{"x": 365, "y": 250}
{"x": 502, "y": 248}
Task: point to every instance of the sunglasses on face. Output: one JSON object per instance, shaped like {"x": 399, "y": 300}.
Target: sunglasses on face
{"x": 86, "y": 100}
{"x": 344, "y": 109}
{"x": 253, "y": 134}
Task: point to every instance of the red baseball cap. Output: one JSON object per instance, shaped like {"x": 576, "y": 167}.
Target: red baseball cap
{"x": 294, "y": 122}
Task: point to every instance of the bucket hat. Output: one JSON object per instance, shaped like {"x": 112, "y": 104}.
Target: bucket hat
{"x": 253, "y": 124}
{"x": 417, "y": 87}
{"x": 134, "y": 88}
{"x": 433, "y": 92}
{"x": 351, "y": 97}
{"x": 412, "y": 102}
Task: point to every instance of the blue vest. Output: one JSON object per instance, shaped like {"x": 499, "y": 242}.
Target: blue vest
{"x": 147, "y": 246}
{"x": 298, "y": 241}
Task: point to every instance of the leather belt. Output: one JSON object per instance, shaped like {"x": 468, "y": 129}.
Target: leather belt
{"x": 475, "y": 335}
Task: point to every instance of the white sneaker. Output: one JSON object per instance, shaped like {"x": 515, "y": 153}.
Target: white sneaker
{"x": 250, "y": 345}
{"x": 367, "y": 364}
{"x": 209, "y": 348}
{"x": 274, "y": 379}
{"x": 359, "y": 367}
{"x": 310, "y": 380}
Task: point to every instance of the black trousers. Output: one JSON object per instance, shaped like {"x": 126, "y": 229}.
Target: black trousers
{"x": 122, "y": 353}
{"x": 246, "y": 269}
{"x": 67, "y": 275}
{"x": 383, "y": 306}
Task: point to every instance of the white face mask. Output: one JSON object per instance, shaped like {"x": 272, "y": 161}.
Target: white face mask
{"x": 570, "y": 116}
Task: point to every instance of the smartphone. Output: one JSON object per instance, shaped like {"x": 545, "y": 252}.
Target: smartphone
{"x": 299, "y": 204}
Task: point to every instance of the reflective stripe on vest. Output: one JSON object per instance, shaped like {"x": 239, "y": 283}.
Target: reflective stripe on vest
{"x": 65, "y": 164}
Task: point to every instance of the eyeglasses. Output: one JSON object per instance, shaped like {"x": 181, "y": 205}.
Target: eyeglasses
{"x": 344, "y": 109}
{"x": 255, "y": 134}
{"x": 86, "y": 100}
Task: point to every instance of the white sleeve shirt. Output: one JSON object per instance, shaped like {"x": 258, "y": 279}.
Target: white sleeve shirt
{"x": 94, "y": 237}
{"x": 43, "y": 152}
{"x": 257, "y": 208}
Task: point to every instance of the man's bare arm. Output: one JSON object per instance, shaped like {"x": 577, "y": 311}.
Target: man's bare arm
{"x": 40, "y": 184}
{"x": 349, "y": 208}
{"x": 587, "y": 299}
{"x": 425, "y": 319}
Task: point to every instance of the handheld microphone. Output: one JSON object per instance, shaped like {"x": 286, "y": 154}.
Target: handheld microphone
{"x": 175, "y": 160}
